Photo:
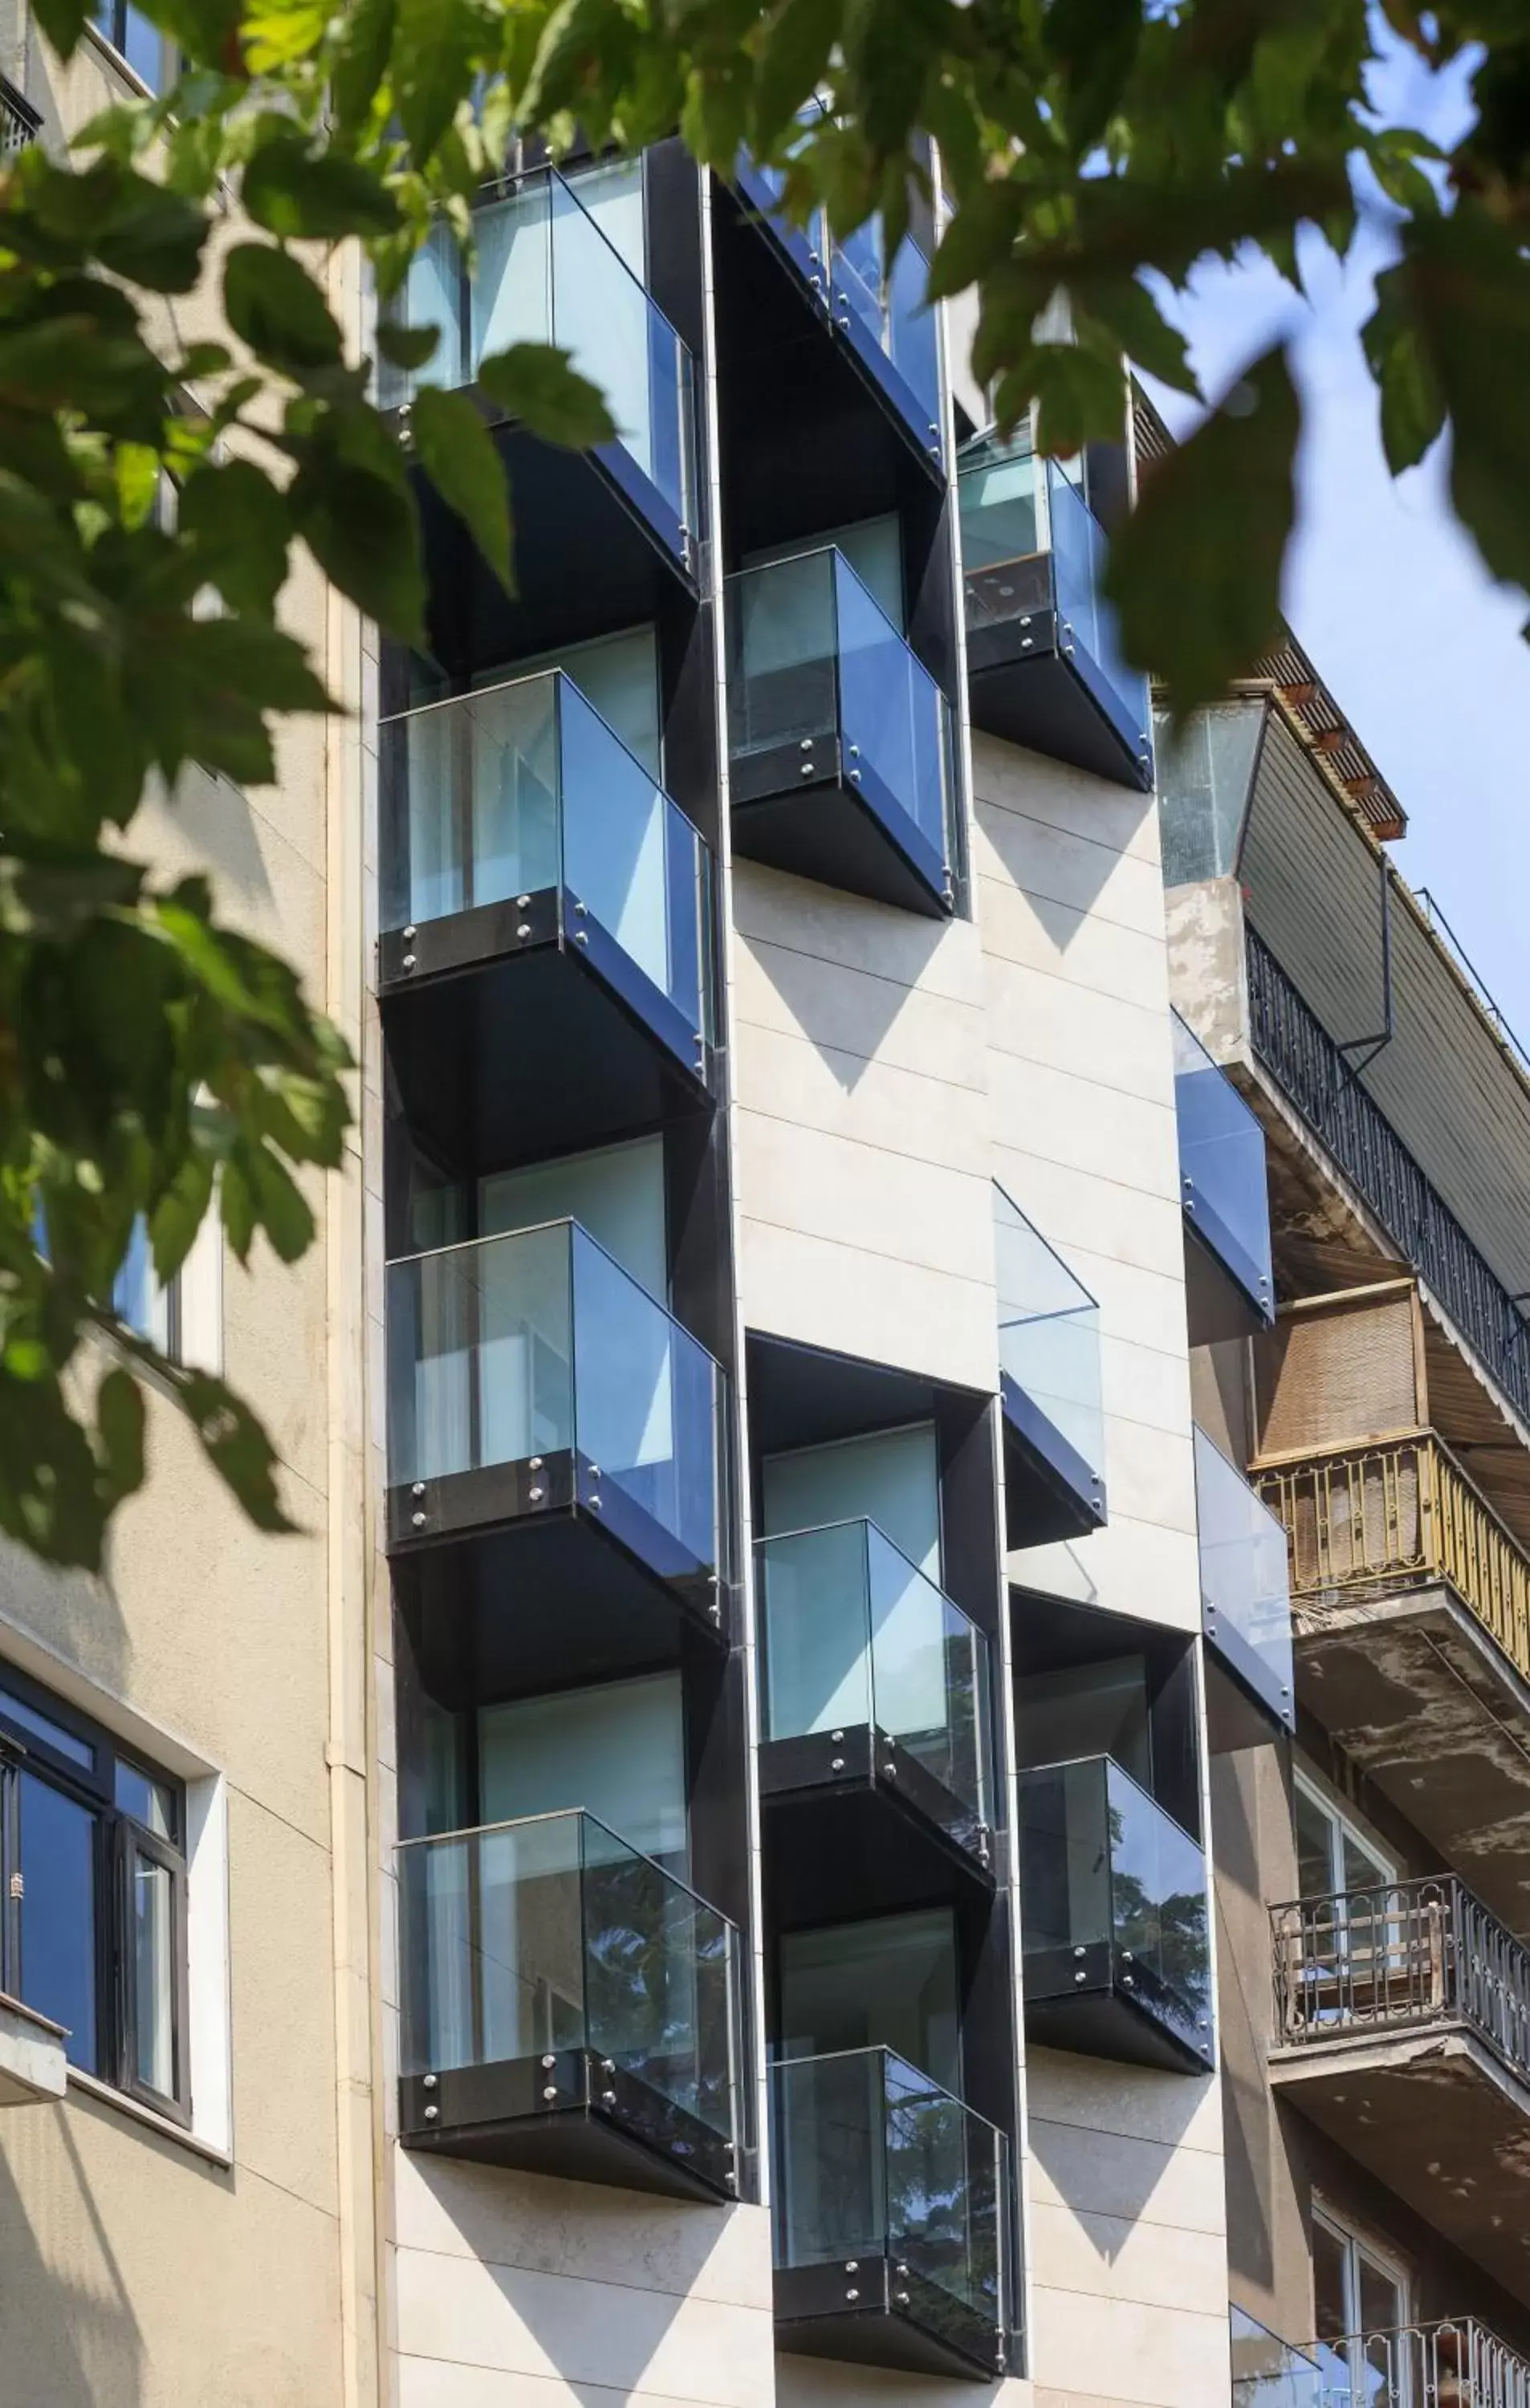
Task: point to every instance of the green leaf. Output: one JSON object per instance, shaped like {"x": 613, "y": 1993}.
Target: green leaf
{"x": 1129, "y": 313}
{"x": 295, "y": 193}
{"x": 432, "y": 67}
{"x": 364, "y": 532}
{"x": 1094, "y": 43}
{"x": 180, "y": 1214}
{"x": 275, "y": 306}
{"x": 1412, "y": 405}
{"x": 534, "y": 383}
{"x": 1468, "y": 286}
{"x": 458, "y": 455}
{"x": 794, "y": 53}
{"x": 1194, "y": 571}
{"x": 407, "y": 347}
{"x": 241, "y": 526}
{"x": 64, "y": 21}
{"x": 360, "y": 61}
{"x": 278, "y": 33}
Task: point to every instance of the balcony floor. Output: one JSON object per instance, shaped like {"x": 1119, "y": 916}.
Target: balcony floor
{"x": 898, "y": 2319}
{"x": 1436, "y": 2117}
{"x": 1417, "y": 1693}
{"x": 604, "y": 2125}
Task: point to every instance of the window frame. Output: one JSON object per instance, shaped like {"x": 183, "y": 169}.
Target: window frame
{"x": 1356, "y": 2244}
{"x": 119, "y": 1838}
{"x": 1343, "y": 1826}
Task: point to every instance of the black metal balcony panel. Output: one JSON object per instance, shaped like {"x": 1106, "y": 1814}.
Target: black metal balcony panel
{"x": 1023, "y": 687}
{"x": 1087, "y": 2001}
{"x": 1049, "y": 1491}
{"x": 878, "y": 2311}
{"x": 512, "y": 1041}
{"x": 853, "y": 837}
{"x": 856, "y": 1825}
{"x": 1291, "y": 1045}
{"x": 572, "y": 2114}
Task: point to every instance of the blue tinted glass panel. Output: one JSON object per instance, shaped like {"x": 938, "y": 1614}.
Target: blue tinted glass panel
{"x": 58, "y": 1913}
{"x": 79, "y": 1750}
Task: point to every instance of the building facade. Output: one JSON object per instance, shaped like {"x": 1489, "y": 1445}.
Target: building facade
{"x": 693, "y": 1879}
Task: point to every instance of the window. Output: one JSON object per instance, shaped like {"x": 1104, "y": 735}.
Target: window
{"x": 139, "y": 1298}
{"x": 93, "y": 1895}
{"x": 134, "y": 38}
{"x": 1359, "y": 2300}
{"x": 1331, "y": 1855}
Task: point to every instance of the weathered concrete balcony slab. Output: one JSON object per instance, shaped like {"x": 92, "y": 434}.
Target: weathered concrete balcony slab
{"x": 31, "y": 2062}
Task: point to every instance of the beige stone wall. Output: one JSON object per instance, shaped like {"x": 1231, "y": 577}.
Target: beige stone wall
{"x": 141, "y": 2268}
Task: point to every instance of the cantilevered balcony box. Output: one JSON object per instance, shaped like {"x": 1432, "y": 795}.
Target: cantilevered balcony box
{"x": 1049, "y": 1386}
{"x": 1245, "y": 1601}
{"x": 875, "y": 306}
{"x": 839, "y": 738}
{"x": 545, "y": 962}
{"x": 553, "y": 1431}
{"x": 569, "y": 2006}
{"x": 1403, "y": 2033}
{"x": 1044, "y": 667}
{"x": 545, "y": 273}
{"x": 875, "y": 1718}
{"x": 1224, "y": 1193}
{"x": 32, "y": 2056}
{"x": 891, "y": 2216}
{"x": 1116, "y": 1945}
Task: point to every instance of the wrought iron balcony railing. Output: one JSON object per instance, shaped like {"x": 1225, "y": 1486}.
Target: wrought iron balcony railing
{"x": 19, "y": 120}
{"x": 1294, "y": 1046}
{"x": 1403, "y": 1956}
{"x": 1401, "y": 1514}
{"x": 1455, "y": 2363}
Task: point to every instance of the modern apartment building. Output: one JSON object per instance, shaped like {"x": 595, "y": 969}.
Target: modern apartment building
{"x": 693, "y": 1880}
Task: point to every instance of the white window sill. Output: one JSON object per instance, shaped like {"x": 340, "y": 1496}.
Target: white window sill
{"x": 138, "y": 2113}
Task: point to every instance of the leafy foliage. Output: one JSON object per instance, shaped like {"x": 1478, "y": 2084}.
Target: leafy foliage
{"x": 153, "y": 1064}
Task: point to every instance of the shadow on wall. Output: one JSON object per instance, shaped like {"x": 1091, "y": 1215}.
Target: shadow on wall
{"x": 1060, "y": 869}
{"x": 595, "y": 2279}
{"x": 69, "y": 2336}
{"x": 1107, "y": 2172}
{"x": 844, "y": 1008}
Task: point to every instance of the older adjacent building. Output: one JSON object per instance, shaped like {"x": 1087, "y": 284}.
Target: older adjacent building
{"x": 691, "y": 1881}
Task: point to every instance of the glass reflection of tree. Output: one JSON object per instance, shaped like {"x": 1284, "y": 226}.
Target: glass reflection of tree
{"x": 638, "y": 1936}
{"x": 933, "y": 2202}
{"x": 1166, "y": 1934}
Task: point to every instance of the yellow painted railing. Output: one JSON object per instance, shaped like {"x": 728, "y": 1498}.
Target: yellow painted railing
{"x": 1401, "y": 1513}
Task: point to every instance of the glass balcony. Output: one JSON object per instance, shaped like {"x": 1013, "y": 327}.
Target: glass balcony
{"x": 521, "y": 840}
{"x": 839, "y": 738}
{"x": 1115, "y": 1919}
{"x": 1043, "y": 660}
{"x": 567, "y": 2004}
{"x": 530, "y": 1377}
{"x": 890, "y": 2216}
{"x": 1225, "y": 1196}
{"x": 545, "y": 273}
{"x": 1268, "y": 2373}
{"x": 1245, "y": 1582}
{"x": 871, "y": 1678}
{"x": 1049, "y": 1386}
{"x": 877, "y": 304}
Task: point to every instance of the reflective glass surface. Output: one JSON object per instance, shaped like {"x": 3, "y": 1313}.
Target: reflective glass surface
{"x": 853, "y": 1632}
{"x": 1101, "y": 1861}
{"x": 1204, "y": 776}
{"x": 551, "y": 1934}
{"x": 1049, "y": 1332}
{"x": 871, "y": 2157}
{"x": 1245, "y": 1575}
{"x": 1222, "y": 1164}
{"x": 545, "y": 273}
{"x": 811, "y": 654}
{"x": 1079, "y": 546}
{"x": 519, "y": 787}
{"x": 59, "y": 1871}
{"x": 536, "y": 1343}
{"x": 152, "y": 1948}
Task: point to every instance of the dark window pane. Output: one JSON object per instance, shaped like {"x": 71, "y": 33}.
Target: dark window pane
{"x": 143, "y": 48}
{"x": 152, "y": 1803}
{"x": 154, "y": 1992}
{"x": 58, "y": 1913}
{"x": 27, "y": 1718}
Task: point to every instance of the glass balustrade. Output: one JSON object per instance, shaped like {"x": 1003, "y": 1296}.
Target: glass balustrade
{"x": 521, "y": 787}
{"x": 852, "y": 1633}
{"x": 538, "y": 1344}
{"x": 873, "y": 2160}
{"x": 1105, "y": 1869}
{"x": 1050, "y": 1354}
{"x": 545, "y": 272}
{"x": 523, "y": 1940}
{"x": 1222, "y": 1169}
{"x": 1031, "y": 545}
{"x": 1245, "y": 1579}
{"x": 821, "y": 681}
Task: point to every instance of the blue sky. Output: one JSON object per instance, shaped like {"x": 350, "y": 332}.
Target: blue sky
{"x": 1386, "y": 592}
